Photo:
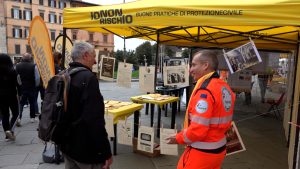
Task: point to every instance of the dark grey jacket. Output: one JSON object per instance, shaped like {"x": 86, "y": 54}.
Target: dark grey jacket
{"x": 87, "y": 142}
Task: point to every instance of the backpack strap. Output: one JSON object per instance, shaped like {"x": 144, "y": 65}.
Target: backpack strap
{"x": 67, "y": 81}
{"x": 206, "y": 83}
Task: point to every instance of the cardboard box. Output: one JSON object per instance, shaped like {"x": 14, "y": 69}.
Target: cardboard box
{"x": 156, "y": 151}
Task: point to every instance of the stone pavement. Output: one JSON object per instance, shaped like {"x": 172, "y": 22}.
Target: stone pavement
{"x": 263, "y": 137}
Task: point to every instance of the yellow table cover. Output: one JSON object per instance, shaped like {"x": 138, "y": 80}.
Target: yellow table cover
{"x": 122, "y": 111}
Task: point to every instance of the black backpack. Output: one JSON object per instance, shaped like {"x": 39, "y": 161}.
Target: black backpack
{"x": 53, "y": 125}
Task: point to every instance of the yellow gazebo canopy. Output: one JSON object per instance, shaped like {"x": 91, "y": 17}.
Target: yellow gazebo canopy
{"x": 271, "y": 24}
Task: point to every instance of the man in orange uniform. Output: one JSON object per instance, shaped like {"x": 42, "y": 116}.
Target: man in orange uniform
{"x": 208, "y": 117}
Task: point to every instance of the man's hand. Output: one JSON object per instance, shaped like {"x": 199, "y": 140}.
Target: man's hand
{"x": 108, "y": 162}
{"x": 171, "y": 139}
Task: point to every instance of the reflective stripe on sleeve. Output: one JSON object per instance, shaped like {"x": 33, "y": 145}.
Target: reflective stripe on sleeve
{"x": 186, "y": 140}
{"x": 220, "y": 120}
{"x": 209, "y": 145}
{"x": 199, "y": 120}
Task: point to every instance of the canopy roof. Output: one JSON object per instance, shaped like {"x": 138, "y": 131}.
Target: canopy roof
{"x": 271, "y": 24}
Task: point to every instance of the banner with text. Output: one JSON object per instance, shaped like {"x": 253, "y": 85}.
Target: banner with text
{"x": 41, "y": 49}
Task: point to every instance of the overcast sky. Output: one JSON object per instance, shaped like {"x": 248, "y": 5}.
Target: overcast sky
{"x": 131, "y": 44}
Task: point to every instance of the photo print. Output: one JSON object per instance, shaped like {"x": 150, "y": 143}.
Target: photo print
{"x": 124, "y": 74}
{"x": 234, "y": 141}
{"x": 176, "y": 75}
{"x": 146, "y": 79}
{"x": 107, "y": 68}
{"x": 242, "y": 57}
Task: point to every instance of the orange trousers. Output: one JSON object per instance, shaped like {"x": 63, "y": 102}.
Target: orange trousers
{"x": 195, "y": 159}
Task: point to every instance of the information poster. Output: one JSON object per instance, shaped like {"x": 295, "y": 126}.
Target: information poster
{"x": 146, "y": 139}
{"x": 124, "y": 74}
{"x": 168, "y": 149}
{"x": 124, "y": 132}
{"x": 146, "y": 79}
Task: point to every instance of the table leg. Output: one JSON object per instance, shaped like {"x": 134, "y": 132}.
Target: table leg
{"x": 115, "y": 140}
{"x": 152, "y": 114}
{"x": 166, "y": 110}
{"x": 147, "y": 108}
{"x": 136, "y": 120}
{"x": 158, "y": 122}
{"x": 174, "y": 107}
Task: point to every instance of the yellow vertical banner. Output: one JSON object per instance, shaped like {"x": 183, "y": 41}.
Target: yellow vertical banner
{"x": 39, "y": 42}
{"x": 69, "y": 45}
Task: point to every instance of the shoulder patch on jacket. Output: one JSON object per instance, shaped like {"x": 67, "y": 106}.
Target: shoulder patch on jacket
{"x": 201, "y": 106}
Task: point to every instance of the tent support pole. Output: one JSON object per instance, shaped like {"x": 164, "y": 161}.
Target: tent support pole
{"x": 190, "y": 87}
{"x": 124, "y": 49}
{"x": 156, "y": 61}
{"x": 296, "y": 147}
{"x": 62, "y": 65}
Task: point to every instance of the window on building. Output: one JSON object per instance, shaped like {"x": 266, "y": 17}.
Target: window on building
{"x": 28, "y": 49}
{"x": 74, "y": 35}
{"x": 42, "y": 15}
{"x": 16, "y": 13}
{"x": 91, "y": 37}
{"x": 52, "y": 35}
{"x": 17, "y": 49}
{"x": 52, "y": 18}
{"x": 60, "y": 19}
{"x": 27, "y": 15}
{"x": 105, "y": 37}
{"x": 52, "y": 3}
{"x": 61, "y": 4}
{"x": 41, "y": 2}
{"x": 17, "y": 32}
{"x": 27, "y": 1}
{"x": 26, "y": 31}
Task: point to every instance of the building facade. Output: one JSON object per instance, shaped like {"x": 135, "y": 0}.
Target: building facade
{"x": 104, "y": 42}
{"x": 16, "y": 16}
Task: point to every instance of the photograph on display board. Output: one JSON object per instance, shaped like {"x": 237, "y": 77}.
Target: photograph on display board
{"x": 124, "y": 74}
{"x": 176, "y": 75}
{"x": 234, "y": 141}
{"x": 242, "y": 57}
{"x": 146, "y": 139}
{"x": 107, "y": 68}
{"x": 146, "y": 79}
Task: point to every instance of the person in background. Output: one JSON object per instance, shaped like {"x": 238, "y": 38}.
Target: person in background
{"x": 87, "y": 145}
{"x": 9, "y": 88}
{"x": 26, "y": 70}
{"x": 57, "y": 61}
{"x": 208, "y": 116}
{"x": 263, "y": 82}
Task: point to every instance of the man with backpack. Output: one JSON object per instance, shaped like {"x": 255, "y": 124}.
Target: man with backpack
{"x": 86, "y": 145}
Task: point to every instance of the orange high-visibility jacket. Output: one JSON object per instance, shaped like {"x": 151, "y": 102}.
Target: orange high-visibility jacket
{"x": 210, "y": 114}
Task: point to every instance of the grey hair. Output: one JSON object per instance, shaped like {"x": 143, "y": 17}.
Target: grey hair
{"x": 210, "y": 57}
{"x": 79, "y": 49}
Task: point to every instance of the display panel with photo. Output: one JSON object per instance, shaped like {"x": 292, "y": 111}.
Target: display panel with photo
{"x": 124, "y": 74}
{"x": 146, "y": 79}
{"x": 176, "y": 75}
{"x": 242, "y": 57}
{"x": 234, "y": 141}
{"x": 107, "y": 68}
{"x": 146, "y": 139}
